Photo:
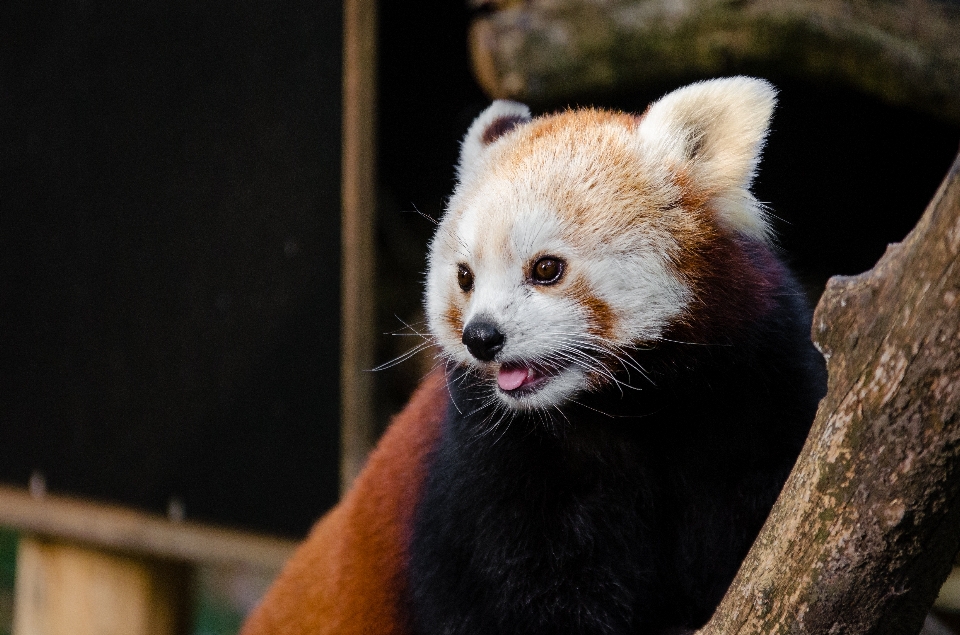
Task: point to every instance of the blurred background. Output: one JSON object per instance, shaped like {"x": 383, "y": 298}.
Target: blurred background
{"x": 170, "y": 214}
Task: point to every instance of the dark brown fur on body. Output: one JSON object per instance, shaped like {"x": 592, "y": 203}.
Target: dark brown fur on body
{"x": 617, "y": 436}
{"x": 623, "y": 514}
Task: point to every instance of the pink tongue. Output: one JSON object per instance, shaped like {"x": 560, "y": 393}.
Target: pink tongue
{"x": 511, "y": 378}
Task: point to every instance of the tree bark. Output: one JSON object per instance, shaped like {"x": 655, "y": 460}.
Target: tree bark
{"x": 547, "y": 51}
{"x": 868, "y": 523}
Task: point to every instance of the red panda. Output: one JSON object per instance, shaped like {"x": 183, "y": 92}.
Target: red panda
{"x": 628, "y": 380}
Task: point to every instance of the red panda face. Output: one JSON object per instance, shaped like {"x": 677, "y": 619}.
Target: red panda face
{"x": 561, "y": 249}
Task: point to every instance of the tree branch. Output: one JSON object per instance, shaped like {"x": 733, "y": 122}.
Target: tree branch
{"x": 868, "y": 524}
{"x": 902, "y": 51}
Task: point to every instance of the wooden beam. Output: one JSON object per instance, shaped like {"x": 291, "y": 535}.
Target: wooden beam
{"x": 126, "y": 531}
{"x": 358, "y": 431}
{"x": 64, "y": 589}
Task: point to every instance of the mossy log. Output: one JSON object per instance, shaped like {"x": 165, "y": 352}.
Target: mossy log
{"x": 868, "y": 523}
{"x": 548, "y": 51}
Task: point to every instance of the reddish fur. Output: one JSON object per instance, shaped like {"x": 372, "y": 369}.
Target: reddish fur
{"x": 572, "y": 126}
{"x": 601, "y": 319}
{"x": 348, "y": 576}
{"x": 731, "y": 279}
{"x": 691, "y": 197}
{"x": 454, "y": 318}
{"x": 732, "y": 275}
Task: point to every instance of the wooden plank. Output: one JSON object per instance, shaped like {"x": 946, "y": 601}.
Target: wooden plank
{"x": 119, "y": 529}
{"x": 358, "y": 432}
{"x": 64, "y": 589}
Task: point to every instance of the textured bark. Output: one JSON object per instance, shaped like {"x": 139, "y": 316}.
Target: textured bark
{"x": 902, "y": 51}
{"x": 868, "y": 524}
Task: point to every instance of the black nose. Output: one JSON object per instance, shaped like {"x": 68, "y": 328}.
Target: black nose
{"x": 483, "y": 340}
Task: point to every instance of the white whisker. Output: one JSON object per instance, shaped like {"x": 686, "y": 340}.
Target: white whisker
{"x": 402, "y": 358}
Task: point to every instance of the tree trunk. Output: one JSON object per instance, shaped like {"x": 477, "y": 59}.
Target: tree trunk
{"x": 547, "y": 51}
{"x": 868, "y": 523}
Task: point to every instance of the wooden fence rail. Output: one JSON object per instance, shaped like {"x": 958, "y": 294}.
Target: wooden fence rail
{"x": 92, "y": 568}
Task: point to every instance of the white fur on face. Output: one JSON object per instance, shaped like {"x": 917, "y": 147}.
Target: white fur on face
{"x": 598, "y": 191}
{"x": 499, "y": 231}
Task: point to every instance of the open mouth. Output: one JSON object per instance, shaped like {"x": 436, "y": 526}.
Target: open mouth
{"x": 518, "y": 378}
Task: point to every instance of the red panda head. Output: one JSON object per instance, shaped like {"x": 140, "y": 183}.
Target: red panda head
{"x": 575, "y": 238}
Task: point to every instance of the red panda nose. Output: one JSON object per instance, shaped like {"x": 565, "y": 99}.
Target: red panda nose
{"x": 483, "y": 340}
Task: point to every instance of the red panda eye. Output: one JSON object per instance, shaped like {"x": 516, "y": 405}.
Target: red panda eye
{"x": 547, "y": 270}
{"x": 464, "y": 278}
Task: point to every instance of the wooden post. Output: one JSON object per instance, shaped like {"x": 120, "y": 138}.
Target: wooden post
{"x": 358, "y": 432}
{"x": 91, "y": 568}
{"x": 63, "y": 589}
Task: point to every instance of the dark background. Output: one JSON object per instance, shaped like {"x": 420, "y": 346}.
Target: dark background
{"x": 169, "y": 205}
{"x": 169, "y": 240}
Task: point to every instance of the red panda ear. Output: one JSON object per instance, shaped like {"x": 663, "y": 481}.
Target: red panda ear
{"x": 714, "y": 131}
{"x": 498, "y": 119}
